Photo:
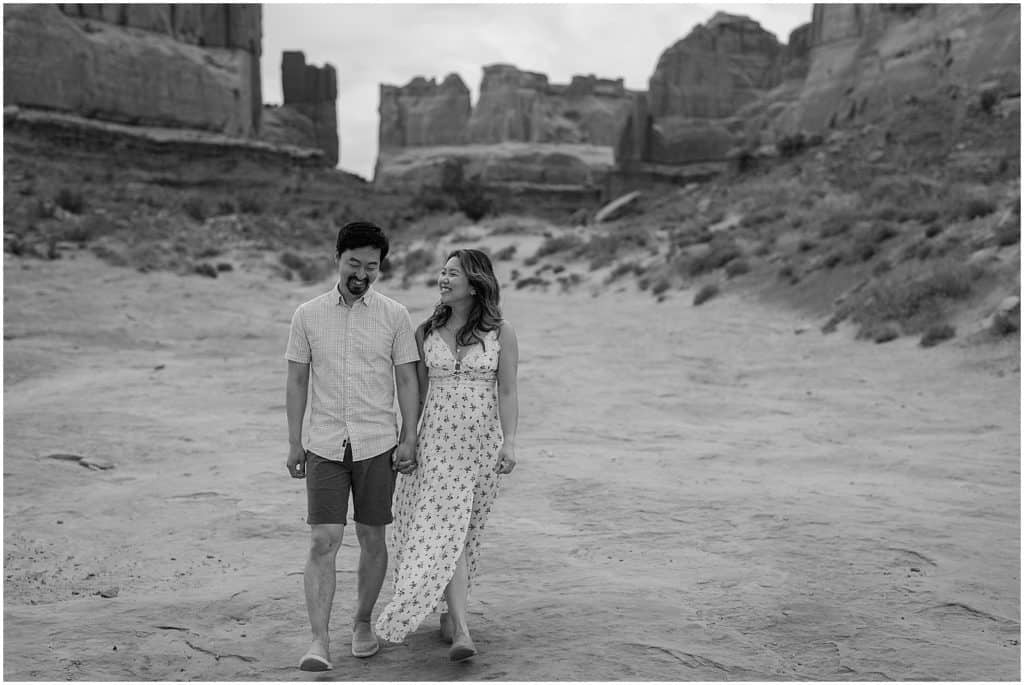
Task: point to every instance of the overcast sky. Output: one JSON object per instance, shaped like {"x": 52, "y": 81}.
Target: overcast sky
{"x": 370, "y": 44}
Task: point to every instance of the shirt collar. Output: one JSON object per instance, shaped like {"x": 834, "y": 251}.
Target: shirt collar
{"x": 364, "y": 298}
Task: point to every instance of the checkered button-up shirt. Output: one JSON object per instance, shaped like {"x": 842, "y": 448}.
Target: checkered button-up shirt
{"x": 352, "y": 352}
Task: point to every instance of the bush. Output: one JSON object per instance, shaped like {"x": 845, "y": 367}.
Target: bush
{"x": 833, "y": 260}
{"x": 918, "y": 302}
{"x": 251, "y": 205}
{"x": 472, "y": 200}
{"x": 704, "y": 294}
{"x": 70, "y": 201}
{"x": 936, "y": 334}
{"x": 789, "y": 146}
{"x": 720, "y": 254}
{"x": 560, "y": 243}
{"x": 737, "y": 267}
{"x": 504, "y": 254}
{"x": 417, "y": 261}
{"x": 660, "y": 286}
{"x": 531, "y": 280}
{"x": 1008, "y": 233}
{"x": 195, "y": 208}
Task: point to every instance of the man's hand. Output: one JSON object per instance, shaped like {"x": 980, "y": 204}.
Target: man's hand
{"x": 296, "y": 461}
{"x": 404, "y": 458}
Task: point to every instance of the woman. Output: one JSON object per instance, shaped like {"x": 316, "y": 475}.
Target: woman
{"x": 470, "y": 408}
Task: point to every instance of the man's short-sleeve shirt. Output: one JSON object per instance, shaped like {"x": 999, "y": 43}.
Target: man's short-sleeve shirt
{"x": 352, "y": 352}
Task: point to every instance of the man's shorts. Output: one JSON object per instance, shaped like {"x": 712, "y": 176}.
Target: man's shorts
{"x": 328, "y": 484}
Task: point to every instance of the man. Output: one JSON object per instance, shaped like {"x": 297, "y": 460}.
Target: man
{"x": 351, "y": 346}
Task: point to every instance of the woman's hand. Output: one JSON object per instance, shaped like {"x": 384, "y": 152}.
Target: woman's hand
{"x": 506, "y": 459}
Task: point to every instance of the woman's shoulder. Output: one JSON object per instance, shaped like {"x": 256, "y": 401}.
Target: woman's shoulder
{"x": 504, "y": 329}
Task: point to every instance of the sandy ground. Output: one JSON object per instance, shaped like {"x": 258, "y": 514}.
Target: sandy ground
{"x": 703, "y": 494}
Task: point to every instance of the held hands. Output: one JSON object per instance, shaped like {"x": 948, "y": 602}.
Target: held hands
{"x": 506, "y": 459}
{"x": 296, "y": 462}
{"x": 404, "y": 458}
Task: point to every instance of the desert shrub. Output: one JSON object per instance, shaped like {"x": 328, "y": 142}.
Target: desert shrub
{"x": 882, "y": 333}
{"x": 833, "y": 260}
{"x": 559, "y": 243}
{"x": 833, "y": 225}
{"x": 933, "y": 230}
{"x": 225, "y": 266}
{"x": 70, "y": 200}
{"x": 721, "y": 253}
{"x": 704, "y": 294}
{"x": 791, "y": 145}
{"x": 471, "y": 199}
{"x": 987, "y": 100}
{"x": 531, "y": 281}
{"x": 44, "y": 209}
{"x": 418, "y": 260}
{"x": 205, "y": 269}
{"x": 918, "y": 301}
{"x": 432, "y": 200}
{"x": 226, "y": 205}
{"x": 194, "y": 208}
{"x": 806, "y": 245}
{"x": 90, "y": 228}
{"x": 976, "y": 207}
{"x": 937, "y": 333}
{"x": 557, "y": 268}
{"x": 1008, "y": 233}
{"x": 764, "y": 249}
{"x": 624, "y": 269}
{"x": 660, "y": 285}
{"x": 883, "y": 267}
{"x": 788, "y": 273}
{"x": 250, "y": 204}
{"x": 504, "y": 254}
{"x": 737, "y": 267}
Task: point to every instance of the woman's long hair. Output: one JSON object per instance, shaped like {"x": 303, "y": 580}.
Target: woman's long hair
{"x": 485, "y": 312}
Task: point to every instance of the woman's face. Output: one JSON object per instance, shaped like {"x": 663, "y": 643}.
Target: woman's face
{"x": 452, "y": 283}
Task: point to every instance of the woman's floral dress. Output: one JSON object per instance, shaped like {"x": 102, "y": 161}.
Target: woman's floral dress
{"x": 444, "y": 503}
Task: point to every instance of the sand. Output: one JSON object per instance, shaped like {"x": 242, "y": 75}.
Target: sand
{"x": 704, "y": 493}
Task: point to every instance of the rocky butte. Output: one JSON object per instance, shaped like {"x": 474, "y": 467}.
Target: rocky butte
{"x": 728, "y": 86}
{"x": 177, "y": 67}
{"x": 524, "y": 131}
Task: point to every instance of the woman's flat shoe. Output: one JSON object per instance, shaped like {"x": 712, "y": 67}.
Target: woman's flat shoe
{"x": 461, "y": 651}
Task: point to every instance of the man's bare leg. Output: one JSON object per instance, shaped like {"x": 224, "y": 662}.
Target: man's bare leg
{"x": 320, "y": 582}
{"x": 373, "y": 567}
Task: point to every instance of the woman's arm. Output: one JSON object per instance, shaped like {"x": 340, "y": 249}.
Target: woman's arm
{"x": 508, "y": 397}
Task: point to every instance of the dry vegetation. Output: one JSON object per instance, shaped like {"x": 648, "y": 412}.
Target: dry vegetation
{"x": 895, "y": 226}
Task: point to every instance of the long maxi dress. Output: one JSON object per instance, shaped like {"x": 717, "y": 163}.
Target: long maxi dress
{"x": 443, "y": 505}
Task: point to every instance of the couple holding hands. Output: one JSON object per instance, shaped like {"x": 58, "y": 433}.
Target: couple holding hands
{"x": 348, "y": 352}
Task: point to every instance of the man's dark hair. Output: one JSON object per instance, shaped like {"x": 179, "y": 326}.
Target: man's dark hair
{"x": 357, "y": 234}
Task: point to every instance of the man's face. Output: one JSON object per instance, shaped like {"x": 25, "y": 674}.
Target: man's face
{"x": 358, "y": 269}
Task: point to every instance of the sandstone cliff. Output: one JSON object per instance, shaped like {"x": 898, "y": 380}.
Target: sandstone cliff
{"x": 189, "y": 66}
{"x": 865, "y": 57}
{"x": 700, "y": 84}
{"x": 523, "y": 130}
{"x": 309, "y": 115}
{"x": 423, "y": 113}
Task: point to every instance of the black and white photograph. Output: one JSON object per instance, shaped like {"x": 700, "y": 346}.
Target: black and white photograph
{"x": 502, "y": 341}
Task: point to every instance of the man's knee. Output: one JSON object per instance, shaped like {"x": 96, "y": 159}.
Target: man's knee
{"x": 325, "y": 539}
{"x": 372, "y": 539}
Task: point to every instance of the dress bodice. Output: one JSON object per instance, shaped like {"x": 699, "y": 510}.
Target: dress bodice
{"x": 479, "y": 363}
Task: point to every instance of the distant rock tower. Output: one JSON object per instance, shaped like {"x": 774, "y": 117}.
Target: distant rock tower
{"x": 313, "y": 92}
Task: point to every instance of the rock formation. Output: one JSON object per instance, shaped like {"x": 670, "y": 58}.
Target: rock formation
{"x": 729, "y": 86}
{"x": 424, "y": 113}
{"x": 699, "y": 85}
{"x": 866, "y": 57}
{"x": 517, "y": 105}
{"x": 187, "y": 66}
{"x": 309, "y": 116}
{"x": 523, "y": 131}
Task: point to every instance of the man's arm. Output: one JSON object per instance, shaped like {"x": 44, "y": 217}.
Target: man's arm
{"x": 296, "y": 390}
{"x": 407, "y": 384}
